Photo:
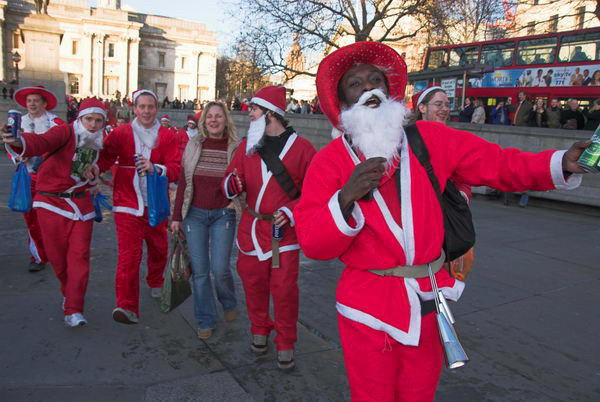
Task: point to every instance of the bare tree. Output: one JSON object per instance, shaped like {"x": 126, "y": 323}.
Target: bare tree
{"x": 271, "y": 27}
{"x": 238, "y": 75}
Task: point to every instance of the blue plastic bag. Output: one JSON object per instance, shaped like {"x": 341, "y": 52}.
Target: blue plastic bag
{"x": 159, "y": 208}
{"x": 99, "y": 203}
{"x": 20, "y": 192}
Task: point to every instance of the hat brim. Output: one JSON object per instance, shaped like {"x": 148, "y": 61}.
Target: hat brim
{"x": 333, "y": 67}
{"x": 21, "y": 94}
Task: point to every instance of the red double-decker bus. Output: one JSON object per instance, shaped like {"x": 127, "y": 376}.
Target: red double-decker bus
{"x": 559, "y": 65}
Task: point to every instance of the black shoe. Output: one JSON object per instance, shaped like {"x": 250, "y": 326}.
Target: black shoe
{"x": 36, "y": 267}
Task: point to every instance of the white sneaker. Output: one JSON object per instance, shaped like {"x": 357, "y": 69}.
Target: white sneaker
{"x": 75, "y": 320}
{"x": 155, "y": 293}
{"x": 124, "y": 316}
{"x": 285, "y": 359}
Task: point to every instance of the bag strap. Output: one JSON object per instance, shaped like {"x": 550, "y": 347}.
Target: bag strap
{"x": 420, "y": 150}
{"x": 276, "y": 166}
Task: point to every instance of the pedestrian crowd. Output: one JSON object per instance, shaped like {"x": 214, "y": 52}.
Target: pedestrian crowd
{"x": 362, "y": 199}
{"x": 532, "y": 113}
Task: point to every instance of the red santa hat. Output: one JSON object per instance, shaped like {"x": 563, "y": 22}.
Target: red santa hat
{"x": 20, "y": 96}
{"x": 191, "y": 119}
{"x": 419, "y": 97}
{"x": 333, "y": 67}
{"x": 165, "y": 117}
{"x": 272, "y": 98}
{"x": 136, "y": 94}
{"x": 91, "y": 105}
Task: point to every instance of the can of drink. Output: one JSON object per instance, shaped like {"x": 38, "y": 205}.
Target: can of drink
{"x": 14, "y": 122}
{"x": 590, "y": 158}
{"x": 277, "y": 232}
{"x": 136, "y": 157}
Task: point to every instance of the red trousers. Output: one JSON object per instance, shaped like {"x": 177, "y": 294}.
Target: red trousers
{"x": 132, "y": 231}
{"x": 68, "y": 247}
{"x": 260, "y": 283}
{"x": 36, "y": 243}
{"x": 381, "y": 369}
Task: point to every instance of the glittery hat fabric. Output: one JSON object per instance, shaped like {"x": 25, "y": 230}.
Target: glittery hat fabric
{"x": 334, "y": 66}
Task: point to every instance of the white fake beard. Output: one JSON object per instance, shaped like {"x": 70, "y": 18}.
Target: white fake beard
{"x": 147, "y": 136}
{"x": 191, "y": 132}
{"x": 87, "y": 139}
{"x": 376, "y": 132}
{"x": 255, "y": 134}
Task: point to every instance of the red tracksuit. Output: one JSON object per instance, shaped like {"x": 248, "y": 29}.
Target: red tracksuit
{"x": 391, "y": 352}
{"x": 265, "y": 196}
{"x": 131, "y": 216}
{"x": 66, "y": 224}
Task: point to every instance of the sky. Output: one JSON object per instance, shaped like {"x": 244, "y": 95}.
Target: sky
{"x": 213, "y": 13}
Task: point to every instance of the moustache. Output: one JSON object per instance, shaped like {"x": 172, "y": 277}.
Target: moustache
{"x": 372, "y": 98}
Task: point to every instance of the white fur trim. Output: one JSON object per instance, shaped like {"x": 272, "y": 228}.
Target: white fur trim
{"x": 142, "y": 92}
{"x": 33, "y": 249}
{"x": 91, "y": 110}
{"x": 74, "y": 216}
{"x": 289, "y": 214}
{"x": 268, "y": 105}
{"x": 268, "y": 254}
{"x": 225, "y": 182}
{"x": 451, "y": 293}
{"x": 335, "y": 133}
{"x": 558, "y": 177}
{"x": 424, "y": 94}
{"x": 338, "y": 217}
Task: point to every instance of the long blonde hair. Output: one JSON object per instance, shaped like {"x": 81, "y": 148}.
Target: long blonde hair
{"x": 229, "y": 125}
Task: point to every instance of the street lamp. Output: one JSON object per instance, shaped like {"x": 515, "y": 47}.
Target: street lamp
{"x": 16, "y": 58}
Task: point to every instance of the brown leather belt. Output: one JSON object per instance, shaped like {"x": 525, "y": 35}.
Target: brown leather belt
{"x": 79, "y": 194}
{"x": 413, "y": 271}
{"x": 274, "y": 242}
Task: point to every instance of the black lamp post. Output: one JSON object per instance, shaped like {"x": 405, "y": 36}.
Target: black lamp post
{"x": 16, "y": 58}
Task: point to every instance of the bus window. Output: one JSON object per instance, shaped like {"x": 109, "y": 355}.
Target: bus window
{"x": 498, "y": 54}
{"x": 581, "y": 47}
{"x": 460, "y": 56}
{"x": 437, "y": 59}
{"x": 536, "y": 51}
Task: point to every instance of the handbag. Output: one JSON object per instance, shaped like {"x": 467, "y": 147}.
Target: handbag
{"x": 459, "y": 232}
{"x": 20, "y": 191}
{"x": 176, "y": 287}
{"x": 159, "y": 208}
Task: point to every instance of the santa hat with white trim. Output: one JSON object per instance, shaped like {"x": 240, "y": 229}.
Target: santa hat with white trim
{"x": 136, "y": 94}
{"x": 91, "y": 105}
{"x": 165, "y": 118}
{"x": 271, "y": 98}
{"x": 191, "y": 119}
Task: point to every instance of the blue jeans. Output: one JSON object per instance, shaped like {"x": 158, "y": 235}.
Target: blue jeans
{"x": 209, "y": 234}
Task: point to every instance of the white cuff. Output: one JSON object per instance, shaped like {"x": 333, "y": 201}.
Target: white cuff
{"x": 289, "y": 214}
{"x": 162, "y": 168}
{"x": 231, "y": 197}
{"x": 338, "y": 217}
{"x": 558, "y": 177}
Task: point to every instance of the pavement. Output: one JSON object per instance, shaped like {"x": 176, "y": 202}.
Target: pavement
{"x": 527, "y": 319}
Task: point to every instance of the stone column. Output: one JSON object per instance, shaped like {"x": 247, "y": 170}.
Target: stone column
{"x": 134, "y": 53}
{"x": 87, "y": 51}
{"x": 123, "y": 51}
{"x": 100, "y": 63}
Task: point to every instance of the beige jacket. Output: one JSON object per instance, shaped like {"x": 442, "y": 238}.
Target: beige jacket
{"x": 190, "y": 158}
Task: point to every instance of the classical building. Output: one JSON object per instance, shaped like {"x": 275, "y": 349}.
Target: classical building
{"x": 536, "y": 17}
{"x": 108, "y": 51}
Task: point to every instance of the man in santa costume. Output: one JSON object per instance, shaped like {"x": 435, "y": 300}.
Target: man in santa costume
{"x": 188, "y": 132}
{"x": 368, "y": 201}
{"x": 269, "y": 267}
{"x": 38, "y": 120}
{"x": 64, "y": 207}
{"x": 157, "y": 147}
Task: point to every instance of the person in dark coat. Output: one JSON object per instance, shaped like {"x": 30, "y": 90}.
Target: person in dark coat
{"x": 466, "y": 114}
{"x": 572, "y": 117}
{"x": 593, "y": 116}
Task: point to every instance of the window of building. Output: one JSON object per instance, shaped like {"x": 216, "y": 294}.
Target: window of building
{"x": 161, "y": 59}
{"x": 183, "y": 63}
{"x": 498, "y": 54}
{"x": 580, "y": 47}
{"x": 16, "y": 40}
{"x": 580, "y": 17}
{"x": 74, "y": 45}
{"x": 183, "y": 92}
{"x": 536, "y": 51}
{"x": 111, "y": 84}
{"x": 531, "y": 28}
{"x": 553, "y": 23}
{"x": 536, "y": 2}
{"x": 73, "y": 84}
{"x": 437, "y": 59}
{"x": 111, "y": 50}
{"x": 464, "y": 55}
{"x": 160, "y": 89}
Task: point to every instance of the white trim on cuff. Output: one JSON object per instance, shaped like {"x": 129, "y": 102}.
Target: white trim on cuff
{"x": 558, "y": 177}
{"x": 338, "y": 217}
{"x": 230, "y": 197}
{"x": 289, "y": 214}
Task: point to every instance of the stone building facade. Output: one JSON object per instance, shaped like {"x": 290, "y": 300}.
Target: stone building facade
{"x": 107, "y": 51}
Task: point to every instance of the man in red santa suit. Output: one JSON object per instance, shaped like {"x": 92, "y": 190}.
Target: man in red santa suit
{"x": 157, "y": 147}
{"x": 64, "y": 207}
{"x": 38, "y": 101}
{"x": 267, "y": 267}
{"x": 188, "y": 132}
{"x": 368, "y": 201}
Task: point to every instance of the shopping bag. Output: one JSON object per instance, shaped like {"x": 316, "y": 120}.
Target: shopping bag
{"x": 176, "y": 287}
{"x": 158, "y": 198}
{"x": 20, "y": 192}
{"x": 100, "y": 201}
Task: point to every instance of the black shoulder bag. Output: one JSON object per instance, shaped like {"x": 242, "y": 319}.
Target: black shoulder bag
{"x": 276, "y": 166}
{"x": 459, "y": 232}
